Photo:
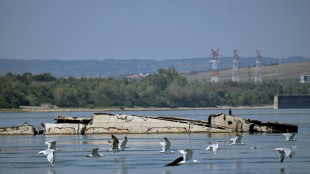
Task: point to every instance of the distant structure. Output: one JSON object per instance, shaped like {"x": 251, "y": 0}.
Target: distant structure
{"x": 215, "y": 61}
{"x": 249, "y": 73}
{"x": 137, "y": 76}
{"x": 291, "y": 101}
{"x": 235, "y": 73}
{"x": 258, "y": 72}
{"x": 305, "y": 78}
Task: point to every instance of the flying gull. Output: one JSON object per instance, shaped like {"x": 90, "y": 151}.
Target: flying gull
{"x": 289, "y": 136}
{"x": 213, "y": 147}
{"x": 236, "y": 140}
{"x": 51, "y": 144}
{"x": 114, "y": 144}
{"x": 284, "y": 151}
{"x": 165, "y": 144}
{"x": 122, "y": 144}
{"x": 94, "y": 153}
{"x": 253, "y": 147}
{"x": 50, "y": 154}
{"x": 187, "y": 158}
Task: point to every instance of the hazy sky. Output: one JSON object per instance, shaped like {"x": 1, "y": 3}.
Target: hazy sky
{"x": 152, "y": 29}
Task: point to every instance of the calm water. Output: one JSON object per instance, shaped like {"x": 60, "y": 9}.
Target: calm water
{"x": 19, "y": 153}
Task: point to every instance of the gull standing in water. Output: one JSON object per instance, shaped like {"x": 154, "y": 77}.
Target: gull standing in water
{"x": 236, "y": 140}
{"x": 284, "y": 151}
{"x": 114, "y": 144}
{"x": 94, "y": 153}
{"x": 165, "y": 144}
{"x": 50, "y": 154}
{"x": 122, "y": 144}
{"x": 187, "y": 158}
{"x": 289, "y": 136}
{"x": 213, "y": 147}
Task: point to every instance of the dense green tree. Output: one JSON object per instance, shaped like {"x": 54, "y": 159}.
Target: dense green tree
{"x": 166, "y": 88}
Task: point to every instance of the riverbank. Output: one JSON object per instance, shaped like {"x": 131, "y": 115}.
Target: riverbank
{"x": 50, "y": 108}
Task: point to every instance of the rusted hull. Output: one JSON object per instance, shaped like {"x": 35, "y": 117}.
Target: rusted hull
{"x": 24, "y": 129}
{"x": 238, "y": 124}
{"x": 63, "y": 128}
{"x": 108, "y": 123}
{"x": 104, "y": 123}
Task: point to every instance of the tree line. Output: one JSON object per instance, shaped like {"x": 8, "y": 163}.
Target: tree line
{"x": 166, "y": 88}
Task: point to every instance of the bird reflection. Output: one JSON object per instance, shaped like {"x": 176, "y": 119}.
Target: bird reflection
{"x": 166, "y": 172}
{"x": 213, "y": 166}
{"x": 282, "y": 170}
{"x": 238, "y": 164}
{"x": 51, "y": 171}
{"x": 122, "y": 167}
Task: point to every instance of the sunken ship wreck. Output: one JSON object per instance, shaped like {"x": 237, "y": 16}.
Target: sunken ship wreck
{"x": 106, "y": 123}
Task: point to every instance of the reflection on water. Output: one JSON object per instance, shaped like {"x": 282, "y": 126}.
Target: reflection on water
{"x": 18, "y": 154}
{"x": 166, "y": 172}
{"x": 51, "y": 171}
{"x": 212, "y": 166}
{"x": 121, "y": 166}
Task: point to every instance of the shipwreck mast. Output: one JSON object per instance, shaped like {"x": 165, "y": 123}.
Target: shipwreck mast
{"x": 215, "y": 61}
{"x": 235, "y": 73}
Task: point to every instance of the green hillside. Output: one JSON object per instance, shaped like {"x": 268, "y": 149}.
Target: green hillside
{"x": 114, "y": 68}
{"x": 269, "y": 73}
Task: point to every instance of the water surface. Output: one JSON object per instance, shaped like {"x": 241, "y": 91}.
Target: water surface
{"x": 19, "y": 153}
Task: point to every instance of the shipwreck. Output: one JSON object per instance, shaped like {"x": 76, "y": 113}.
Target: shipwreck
{"x": 106, "y": 123}
{"x": 25, "y": 129}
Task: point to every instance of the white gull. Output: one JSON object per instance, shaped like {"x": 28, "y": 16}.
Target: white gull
{"x": 122, "y": 144}
{"x": 50, "y": 154}
{"x": 187, "y": 158}
{"x": 236, "y": 140}
{"x": 284, "y": 151}
{"x": 213, "y": 147}
{"x": 51, "y": 144}
{"x": 94, "y": 153}
{"x": 114, "y": 144}
{"x": 165, "y": 144}
{"x": 289, "y": 136}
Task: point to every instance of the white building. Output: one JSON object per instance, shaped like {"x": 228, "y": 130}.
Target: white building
{"x": 304, "y": 78}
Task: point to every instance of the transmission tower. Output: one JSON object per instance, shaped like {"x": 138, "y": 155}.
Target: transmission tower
{"x": 215, "y": 61}
{"x": 258, "y": 72}
{"x": 249, "y": 73}
{"x": 235, "y": 73}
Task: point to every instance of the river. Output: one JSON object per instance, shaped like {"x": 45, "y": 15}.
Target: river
{"x": 19, "y": 154}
